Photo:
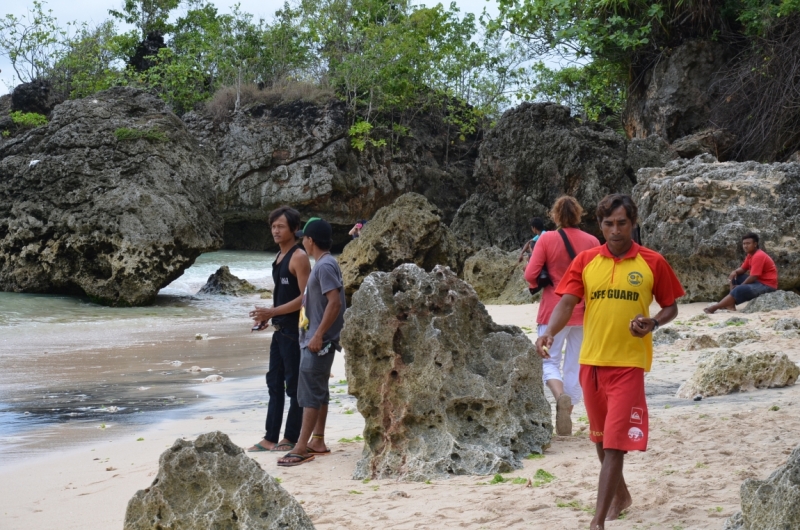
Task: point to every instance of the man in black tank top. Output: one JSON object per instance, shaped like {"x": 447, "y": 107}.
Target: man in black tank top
{"x": 290, "y": 273}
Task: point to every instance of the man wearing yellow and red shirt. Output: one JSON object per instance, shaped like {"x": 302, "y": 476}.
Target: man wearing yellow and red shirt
{"x": 762, "y": 279}
{"x": 618, "y": 281}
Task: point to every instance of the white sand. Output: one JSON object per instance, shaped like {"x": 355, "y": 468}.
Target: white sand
{"x": 699, "y": 453}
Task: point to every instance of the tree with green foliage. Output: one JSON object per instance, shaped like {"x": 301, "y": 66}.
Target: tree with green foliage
{"x": 148, "y": 16}
{"x": 32, "y": 43}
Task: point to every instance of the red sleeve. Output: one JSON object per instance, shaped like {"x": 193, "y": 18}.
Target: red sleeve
{"x": 747, "y": 263}
{"x": 572, "y": 282}
{"x": 666, "y": 287}
{"x": 538, "y": 257}
{"x": 757, "y": 262}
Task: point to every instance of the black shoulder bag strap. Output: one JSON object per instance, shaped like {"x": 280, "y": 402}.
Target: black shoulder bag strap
{"x": 567, "y": 244}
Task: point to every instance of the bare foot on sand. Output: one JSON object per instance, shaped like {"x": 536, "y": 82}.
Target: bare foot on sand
{"x": 622, "y": 501}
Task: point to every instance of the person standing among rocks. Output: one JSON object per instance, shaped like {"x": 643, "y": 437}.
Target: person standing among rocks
{"x": 290, "y": 272}
{"x": 762, "y": 279}
{"x": 556, "y": 250}
{"x": 537, "y": 229}
{"x": 320, "y": 327}
{"x": 618, "y": 281}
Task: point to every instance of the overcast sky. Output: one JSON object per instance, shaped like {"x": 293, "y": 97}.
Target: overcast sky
{"x": 96, "y": 11}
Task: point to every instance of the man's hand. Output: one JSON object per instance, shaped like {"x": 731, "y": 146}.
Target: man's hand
{"x": 543, "y": 344}
{"x": 262, "y": 314}
{"x": 641, "y": 326}
{"x": 315, "y": 344}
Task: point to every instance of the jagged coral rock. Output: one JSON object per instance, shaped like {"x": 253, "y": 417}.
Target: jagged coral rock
{"x": 727, "y": 371}
{"x": 443, "y": 389}
{"x": 212, "y": 483}
{"x": 773, "y": 503}
{"x": 408, "y": 231}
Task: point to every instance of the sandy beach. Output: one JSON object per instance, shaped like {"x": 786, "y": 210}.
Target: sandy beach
{"x": 698, "y": 455}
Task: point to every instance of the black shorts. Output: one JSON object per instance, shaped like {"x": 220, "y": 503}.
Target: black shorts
{"x": 315, "y": 375}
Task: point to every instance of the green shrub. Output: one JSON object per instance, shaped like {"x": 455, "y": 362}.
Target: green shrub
{"x": 28, "y": 120}
{"x": 125, "y": 134}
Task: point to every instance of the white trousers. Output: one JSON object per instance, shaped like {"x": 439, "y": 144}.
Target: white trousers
{"x": 552, "y": 368}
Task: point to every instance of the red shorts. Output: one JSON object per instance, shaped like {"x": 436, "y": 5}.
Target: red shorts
{"x": 616, "y": 406}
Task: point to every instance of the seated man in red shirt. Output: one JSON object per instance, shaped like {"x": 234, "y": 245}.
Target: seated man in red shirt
{"x": 763, "y": 277}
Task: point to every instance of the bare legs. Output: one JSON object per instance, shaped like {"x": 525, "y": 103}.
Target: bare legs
{"x": 612, "y": 492}
{"x": 726, "y": 303}
{"x": 556, "y": 386}
{"x": 313, "y": 423}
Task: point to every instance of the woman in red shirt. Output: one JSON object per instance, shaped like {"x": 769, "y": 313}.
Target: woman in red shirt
{"x": 551, "y": 251}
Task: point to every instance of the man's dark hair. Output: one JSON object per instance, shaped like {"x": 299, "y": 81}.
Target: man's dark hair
{"x": 292, "y": 217}
{"x": 751, "y": 235}
{"x": 614, "y": 201}
{"x": 537, "y": 223}
{"x": 323, "y": 245}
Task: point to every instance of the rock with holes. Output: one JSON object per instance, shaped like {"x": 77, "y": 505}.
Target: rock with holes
{"x": 212, "y": 483}
{"x": 786, "y": 324}
{"x": 497, "y": 276}
{"x": 536, "y": 153}
{"x": 110, "y": 199}
{"x": 300, "y": 153}
{"x": 775, "y": 301}
{"x": 727, "y": 371}
{"x": 773, "y": 503}
{"x": 443, "y": 389}
{"x": 702, "y": 342}
{"x": 733, "y": 337}
{"x": 408, "y": 231}
{"x": 223, "y": 282}
{"x": 666, "y": 336}
{"x": 695, "y": 212}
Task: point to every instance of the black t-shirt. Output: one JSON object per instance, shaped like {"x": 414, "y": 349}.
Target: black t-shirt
{"x": 286, "y": 290}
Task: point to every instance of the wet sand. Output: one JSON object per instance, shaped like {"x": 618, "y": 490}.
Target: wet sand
{"x": 699, "y": 453}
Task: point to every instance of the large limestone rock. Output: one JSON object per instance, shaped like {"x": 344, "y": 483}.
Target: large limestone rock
{"x": 443, "y": 389}
{"x": 87, "y": 208}
{"x": 536, "y": 153}
{"x": 300, "y": 153}
{"x": 212, "y": 483}
{"x": 775, "y": 301}
{"x": 695, "y": 213}
{"x": 771, "y": 504}
{"x": 225, "y": 283}
{"x": 676, "y": 95}
{"x": 727, "y": 371}
{"x": 497, "y": 277}
{"x": 408, "y": 231}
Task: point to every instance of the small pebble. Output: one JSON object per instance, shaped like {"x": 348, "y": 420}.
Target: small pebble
{"x": 399, "y": 494}
{"x": 209, "y": 418}
{"x": 213, "y": 379}
{"x": 698, "y": 397}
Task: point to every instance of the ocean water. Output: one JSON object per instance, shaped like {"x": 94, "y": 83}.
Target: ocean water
{"x": 67, "y": 362}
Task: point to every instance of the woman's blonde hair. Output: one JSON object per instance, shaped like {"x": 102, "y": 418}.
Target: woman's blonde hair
{"x": 566, "y": 212}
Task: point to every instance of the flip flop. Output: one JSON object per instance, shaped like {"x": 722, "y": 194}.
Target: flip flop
{"x": 319, "y": 453}
{"x": 285, "y": 446}
{"x": 258, "y": 448}
{"x": 301, "y": 459}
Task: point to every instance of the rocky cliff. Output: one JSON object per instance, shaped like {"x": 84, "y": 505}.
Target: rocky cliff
{"x": 536, "y": 153}
{"x": 111, "y": 199}
{"x": 695, "y": 213}
{"x": 300, "y": 154}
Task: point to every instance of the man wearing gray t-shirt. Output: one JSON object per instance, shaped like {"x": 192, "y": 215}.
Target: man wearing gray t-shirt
{"x": 321, "y": 322}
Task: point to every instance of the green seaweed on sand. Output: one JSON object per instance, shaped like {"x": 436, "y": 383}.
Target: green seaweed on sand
{"x": 355, "y": 439}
